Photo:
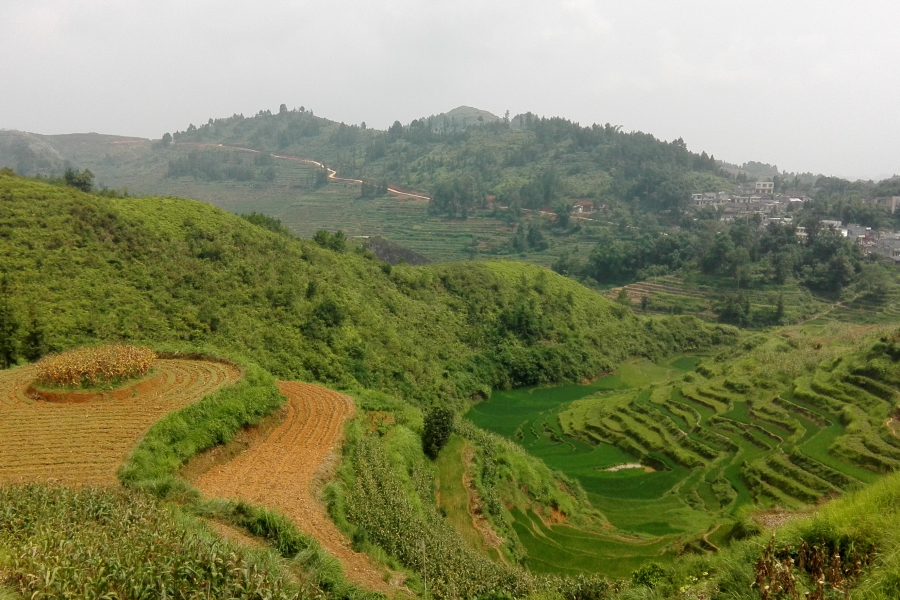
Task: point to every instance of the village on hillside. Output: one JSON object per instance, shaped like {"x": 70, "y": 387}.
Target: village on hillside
{"x": 757, "y": 198}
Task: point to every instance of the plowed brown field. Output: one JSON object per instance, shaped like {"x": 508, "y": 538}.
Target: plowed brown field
{"x": 84, "y": 443}
{"x": 277, "y": 472}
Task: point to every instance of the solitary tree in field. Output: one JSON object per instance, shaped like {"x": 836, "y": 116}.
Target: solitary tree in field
{"x": 438, "y": 427}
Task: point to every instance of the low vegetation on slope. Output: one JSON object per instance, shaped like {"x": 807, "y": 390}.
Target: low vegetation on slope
{"x": 79, "y": 268}
{"x": 87, "y": 543}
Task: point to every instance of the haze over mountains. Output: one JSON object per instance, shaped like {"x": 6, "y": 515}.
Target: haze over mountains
{"x": 31, "y": 152}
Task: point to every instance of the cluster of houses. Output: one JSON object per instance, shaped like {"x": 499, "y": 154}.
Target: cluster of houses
{"x": 751, "y": 198}
{"x": 759, "y": 198}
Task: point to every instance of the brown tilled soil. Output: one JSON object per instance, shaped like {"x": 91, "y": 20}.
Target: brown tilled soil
{"x": 278, "y": 470}
{"x": 84, "y": 443}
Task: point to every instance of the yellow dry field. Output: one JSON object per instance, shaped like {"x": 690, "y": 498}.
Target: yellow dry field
{"x": 84, "y": 442}
{"x": 278, "y": 472}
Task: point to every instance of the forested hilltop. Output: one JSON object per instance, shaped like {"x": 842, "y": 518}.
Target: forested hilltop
{"x": 79, "y": 268}
{"x": 526, "y": 161}
{"x": 598, "y": 204}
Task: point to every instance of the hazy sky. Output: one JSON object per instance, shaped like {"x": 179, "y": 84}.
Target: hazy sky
{"x": 809, "y": 85}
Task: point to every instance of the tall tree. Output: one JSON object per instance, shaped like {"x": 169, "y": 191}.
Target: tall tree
{"x": 9, "y": 327}
{"x": 83, "y": 180}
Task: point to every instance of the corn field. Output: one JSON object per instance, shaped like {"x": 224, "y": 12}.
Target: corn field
{"x": 93, "y": 544}
{"x": 89, "y": 367}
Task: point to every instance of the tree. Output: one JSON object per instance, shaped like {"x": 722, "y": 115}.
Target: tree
{"x": 623, "y": 298}
{"x": 735, "y": 309}
{"x": 9, "y": 327}
{"x": 454, "y": 196}
{"x": 34, "y": 345}
{"x": 563, "y": 213}
{"x": 438, "y": 427}
{"x": 321, "y": 177}
{"x": 535, "y": 238}
{"x": 83, "y": 180}
{"x": 779, "y": 310}
{"x": 336, "y": 242}
{"x": 566, "y": 264}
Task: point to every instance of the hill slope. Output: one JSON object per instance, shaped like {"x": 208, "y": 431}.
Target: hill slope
{"x": 80, "y": 268}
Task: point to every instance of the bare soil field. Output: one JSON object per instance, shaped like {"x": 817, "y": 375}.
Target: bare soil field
{"x": 278, "y": 471}
{"x": 83, "y": 442}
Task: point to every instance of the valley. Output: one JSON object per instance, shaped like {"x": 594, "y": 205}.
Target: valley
{"x": 594, "y": 436}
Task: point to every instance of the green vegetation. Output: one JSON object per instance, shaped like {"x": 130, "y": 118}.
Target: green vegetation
{"x": 782, "y": 420}
{"x": 847, "y": 549}
{"x": 720, "y": 425}
{"x": 182, "y": 434}
{"x": 436, "y": 431}
{"x": 161, "y": 270}
{"x": 523, "y": 164}
{"x": 384, "y": 499}
{"x": 84, "y": 543}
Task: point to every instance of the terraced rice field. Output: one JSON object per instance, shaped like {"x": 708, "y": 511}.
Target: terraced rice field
{"x": 83, "y": 443}
{"x": 278, "y": 472}
{"x": 672, "y": 294}
{"x": 707, "y": 443}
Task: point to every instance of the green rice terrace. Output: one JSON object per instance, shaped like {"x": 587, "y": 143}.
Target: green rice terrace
{"x": 674, "y": 454}
{"x": 693, "y": 294}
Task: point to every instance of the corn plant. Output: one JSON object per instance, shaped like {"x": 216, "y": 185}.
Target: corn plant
{"x": 93, "y": 366}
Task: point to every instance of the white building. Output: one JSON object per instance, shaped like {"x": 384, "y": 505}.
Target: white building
{"x": 765, "y": 187}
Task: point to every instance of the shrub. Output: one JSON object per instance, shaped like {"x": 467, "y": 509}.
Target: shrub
{"x": 650, "y": 575}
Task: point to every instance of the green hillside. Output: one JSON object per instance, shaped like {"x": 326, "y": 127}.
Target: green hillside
{"x": 79, "y": 268}
{"x": 471, "y": 161}
{"x": 782, "y": 419}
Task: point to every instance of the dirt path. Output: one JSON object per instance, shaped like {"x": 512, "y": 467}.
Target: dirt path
{"x": 84, "y": 443}
{"x": 332, "y": 174}
{"x": 828, "y": 310}
{"x": 277, "y": 472}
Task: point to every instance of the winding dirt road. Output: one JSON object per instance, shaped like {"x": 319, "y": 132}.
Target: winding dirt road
{"x": 83, "y": 443}
{"x": 332, "y": 174}
{"x": 278, "y": 471}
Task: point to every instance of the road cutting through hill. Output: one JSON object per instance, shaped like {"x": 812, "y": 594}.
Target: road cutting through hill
{"x": 278, "y": 470}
